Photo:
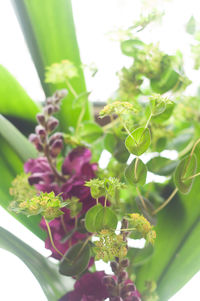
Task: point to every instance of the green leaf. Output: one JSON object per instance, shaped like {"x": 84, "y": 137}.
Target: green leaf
{"x": 136, "y": 172}
{"x": 138, "y": 141}
{"x": 14, "y": 151}
{"x": 110, "y": 142}
{"x": 131, "y": 47}
{"x": 76, "y": 260}
{"x": 140, "y": 256}
{"x": 53, "y": 284}
{"x": 23, "y": 148}
{"x": 81, "y": 100}
{"x": 185, "y": 169}
{"x": 90, "y": 218}
{"x": 191, "y": 26}
{"x": 168, "y": 80}
{"x": 49, "y": 31}
{"x": 90, "y": 132}
{"x": 176, "y": 257}
{"x": 165, "y": 115}
{"x": 106, "y": 219}
{"x": 15, "y": 102}
{"x": 161, "y": 166}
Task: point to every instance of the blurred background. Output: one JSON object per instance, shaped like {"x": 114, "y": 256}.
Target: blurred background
{"x": 97, "y": 27}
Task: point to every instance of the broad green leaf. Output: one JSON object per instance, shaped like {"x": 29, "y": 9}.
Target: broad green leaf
{"x": 90, "y": 132}
{"x": 53, "y": 284}
{"x": 49, "y": 31}
{"x": 138, "y": 141}
{"x": 176, "y": 257}
{"x": 191, "y": 25}
{"x": 106, "y": 219}
{"x": 164, "y": 115}
{"x": 161, "y": 166}
{"x": 110, "y": 142}
{"x": 161, "y": 144}
{"x": 136, "y": 172}
{"x": 116, "y": 147}
{"x": 76, "y": 260}
{"x": 14, "y": 101}
{"x": 131, "y": 47}
{"x": 14, "y": 151}
{"x": 185, "y": 169}
{"x": 90, "y": 218}
{"x": 157, "y": 108}
{"x": 140, "y": 256}
{"x": 23, "y": 148}
{"x": 168, "y": 80}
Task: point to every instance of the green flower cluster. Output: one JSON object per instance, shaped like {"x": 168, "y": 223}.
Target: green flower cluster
{"x": 109, "y": 246}
{"x": 59, "y": 72}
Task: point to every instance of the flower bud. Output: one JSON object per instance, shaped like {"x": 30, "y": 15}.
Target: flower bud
{"x": 56, "y": 136}
{"x": 52, "y": 124}
{"x": 124, "y": 224}
{"x": 41, "y": 119}
{"x": 56, "y": 148}
{"x": 60, "y": 94}
{"x": 56, "y": 108}
{"x": 114, "y": 266}
{"x": 124, "y": 263}
{"x": 41, "y": 132}
{"x": 122, "y": 276}
{"x": 33, "y": 138}
{"x": 39, "y": 147}
{"x": 127, "y": 289}
{"x": 49, "y": 100}
{"x": 48, "y": 110}
{"x": 109, "y": 281}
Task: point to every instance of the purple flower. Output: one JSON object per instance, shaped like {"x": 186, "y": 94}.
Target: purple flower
{"x": 89, "y": 287}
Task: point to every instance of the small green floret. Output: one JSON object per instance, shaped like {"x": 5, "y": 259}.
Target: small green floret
{"x": 21, "y": 189}
{"x": 59, "y": 72}
{"x": 118, "y": 107}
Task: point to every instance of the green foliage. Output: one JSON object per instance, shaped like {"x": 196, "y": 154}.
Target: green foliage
{"x": 53, "y": 284}
{"x": 161, "y": 166}
{"x": 90, "y": 132}
{"x": 55, "y": 17}
{"x": 90, "y": 218}
{"x": 185, "y": 169}
{"x": 118, "y": 107}
{"x": 106, "y": 219}
{"x": 138, "y": 141}
{"x": 140, "y": 256}
{"x": 76, "y": 260}
{"x": 136, "y": 172}
{"x": 191, "y": 26}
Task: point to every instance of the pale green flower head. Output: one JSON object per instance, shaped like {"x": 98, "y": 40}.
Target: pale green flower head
{"x": 60, "y": 72}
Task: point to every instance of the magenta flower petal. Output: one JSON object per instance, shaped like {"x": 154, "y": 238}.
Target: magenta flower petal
{"x": 75, "y": 160}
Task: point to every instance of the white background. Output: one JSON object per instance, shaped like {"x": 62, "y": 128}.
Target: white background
{"x": 94, "y": 19}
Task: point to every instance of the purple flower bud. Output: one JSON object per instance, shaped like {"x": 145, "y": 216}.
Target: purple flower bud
{"x": 41, "y": 132}
{"x": 58, "y": 95}
{"x": 56, "y": 108}
{"x": 48, "y": 110}
{"x": 41, "y": 119}
{"x": 122, "y": 276}
{"x": 109, "y": 281}
{"x": 114, "y": 266}
{"x": 56, "y": 136}
{"x": 39, "y": 147}
{"x": 52, "y": 124}
{"x": 127, "y": 289}
{"x": 49, "y": 100}
{"x": 33, "y": 138}
{"x": 124, "y": 263}
{"x": 124, "y": 224}
{"x": 56, "y": 148}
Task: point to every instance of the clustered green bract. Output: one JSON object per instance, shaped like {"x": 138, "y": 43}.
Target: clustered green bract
{"x": 59, "y": 72}
{"x": 109, "y": 246}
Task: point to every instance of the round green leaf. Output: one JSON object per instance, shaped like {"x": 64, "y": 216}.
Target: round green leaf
{"x": 75, "y": 262}
{"x": 168, "y": 80}
{"x": 185, "y": 169}
{"x": 136, "y": 172}
{"x": 90, "y": 131}
{"x": 110, "y": 142}
{"x": 161, "y": 166}
{"x": 106, "y": 219}
{"x": 157, "y": 108}
{"x": 138, "y": 142}
{"x": 131, "y": 47}
{"x": 90, "y": 218}
{"x": 164, "y": 115}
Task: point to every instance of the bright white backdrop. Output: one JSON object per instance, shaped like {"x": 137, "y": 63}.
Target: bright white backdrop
{"x": 94, "y": 19}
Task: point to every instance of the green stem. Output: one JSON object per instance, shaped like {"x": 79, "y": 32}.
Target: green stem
{"x": 148, "y": 121}
{"x": 165, "y": 202}
{"x": 192, "y": 177}
{"x": 71, "y": 88}
{"x": 141, "y": 199}
{"x": 80, "y": 119}
{"x": 51, "y": 239}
